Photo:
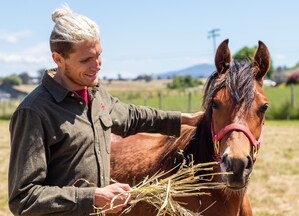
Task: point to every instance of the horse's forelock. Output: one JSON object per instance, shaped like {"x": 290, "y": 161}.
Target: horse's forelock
{"x": 239, "y": 81}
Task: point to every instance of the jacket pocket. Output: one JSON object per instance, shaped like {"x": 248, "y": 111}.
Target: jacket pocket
{"x": 106, "y": 122}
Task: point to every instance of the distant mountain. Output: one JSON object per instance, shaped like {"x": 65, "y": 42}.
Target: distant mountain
{"x": 196, "y": 71}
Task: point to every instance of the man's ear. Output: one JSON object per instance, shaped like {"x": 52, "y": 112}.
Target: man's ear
{"x": 58, "y": 59}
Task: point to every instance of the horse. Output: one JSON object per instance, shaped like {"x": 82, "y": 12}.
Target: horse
{"x": 229, "y": 132}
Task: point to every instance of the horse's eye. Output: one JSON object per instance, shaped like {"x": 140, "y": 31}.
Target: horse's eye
{"x": 264, "y": 108}
{"x": 214, "y": 105}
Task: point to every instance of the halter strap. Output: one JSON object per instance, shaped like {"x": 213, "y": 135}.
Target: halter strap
{"x": 235, "y": 127}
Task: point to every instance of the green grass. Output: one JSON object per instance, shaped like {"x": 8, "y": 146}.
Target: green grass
{"x": 279, "y": 100}
{"x": 4, "y": 159}
{"x": 281, "y": 95}
{"x": 141, "y": 94}
{"x": 164, "y": 99}
{"x": 283, "y": 123}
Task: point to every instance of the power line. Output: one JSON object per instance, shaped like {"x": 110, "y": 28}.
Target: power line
{"x": 213, "y": 34}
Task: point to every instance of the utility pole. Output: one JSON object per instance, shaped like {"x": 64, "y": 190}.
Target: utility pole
{"x": 213, "y": 34}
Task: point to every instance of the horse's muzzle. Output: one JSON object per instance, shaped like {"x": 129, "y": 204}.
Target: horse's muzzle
{"x": 241, "y": 169}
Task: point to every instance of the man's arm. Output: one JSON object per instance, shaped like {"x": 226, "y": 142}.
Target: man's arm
{"x": 129, "y": 119}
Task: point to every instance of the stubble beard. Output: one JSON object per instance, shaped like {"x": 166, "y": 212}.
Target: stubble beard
{"x": 69, "y": 76}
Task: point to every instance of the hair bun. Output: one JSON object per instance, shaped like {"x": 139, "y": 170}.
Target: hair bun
{"x": 60, "y": 12}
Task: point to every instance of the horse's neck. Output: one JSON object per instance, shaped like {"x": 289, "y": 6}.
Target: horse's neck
{"x": 201, "y": 144}
{"x": 194, "y": 145}
{"x": 174, "y": 152}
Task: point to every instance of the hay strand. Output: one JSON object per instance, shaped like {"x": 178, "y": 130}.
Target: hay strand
{"x": 161, "y": 189}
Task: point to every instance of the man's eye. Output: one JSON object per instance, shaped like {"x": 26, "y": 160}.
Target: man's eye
{"x": 84, "y": 60}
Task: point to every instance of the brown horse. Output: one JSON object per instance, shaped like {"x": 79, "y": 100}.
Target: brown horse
{"x": 229, "y": 132}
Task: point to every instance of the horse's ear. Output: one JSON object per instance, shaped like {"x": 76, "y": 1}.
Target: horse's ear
{"x": 223, "y": 57}
{"x": 262, "y": 61}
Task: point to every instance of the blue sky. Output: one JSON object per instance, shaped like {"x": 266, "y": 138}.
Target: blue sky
{"x": 148, "y": 37}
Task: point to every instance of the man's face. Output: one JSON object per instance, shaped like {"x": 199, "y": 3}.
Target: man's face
{"x": 82, "y": 66}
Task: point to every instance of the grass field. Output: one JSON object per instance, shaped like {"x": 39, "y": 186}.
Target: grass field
{"x": 147, "y": 93}
{"x": 274, "y": 188}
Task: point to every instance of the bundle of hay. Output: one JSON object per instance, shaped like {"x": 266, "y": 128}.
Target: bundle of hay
{"x": 161, "y": 191}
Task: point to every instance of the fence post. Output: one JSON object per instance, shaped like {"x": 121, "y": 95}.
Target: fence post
{"x": 189, "y": 101}
{"x": 160, "y": 100}
{"x": 292, "y": 96}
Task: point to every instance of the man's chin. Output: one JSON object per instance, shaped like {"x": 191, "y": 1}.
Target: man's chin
{"x": 94, "y": 84}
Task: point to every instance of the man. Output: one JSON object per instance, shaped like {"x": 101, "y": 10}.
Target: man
{"x": 60, "y": 134}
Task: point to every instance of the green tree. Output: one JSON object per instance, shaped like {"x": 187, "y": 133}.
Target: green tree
{"x": 40, "y": 74}
{"x": 12, "y": 80}
{"x": 26, "y": 79}
{"x": 296, "y": 66}
{"x": 182, "y": 82}
{"x": 248, "y": 53}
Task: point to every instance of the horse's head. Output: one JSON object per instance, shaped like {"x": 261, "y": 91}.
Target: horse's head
{"x": 236, "y": 104}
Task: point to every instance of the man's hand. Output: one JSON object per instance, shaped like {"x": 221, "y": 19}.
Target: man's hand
{"x": 192, "y": 119}
{"x": 104, "y": 196}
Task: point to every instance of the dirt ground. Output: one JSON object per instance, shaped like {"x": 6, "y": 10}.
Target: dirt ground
{"x": 274, "y": 185}
{"x": 274, "y": 188}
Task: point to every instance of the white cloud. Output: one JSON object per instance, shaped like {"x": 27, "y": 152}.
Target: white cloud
{"x": 20, "y": 58}
{"x": 40, "y": 48}
{"x": 13, "y": 38}
{"x": 29, "y": 60}
{"x": 33, "y": 55}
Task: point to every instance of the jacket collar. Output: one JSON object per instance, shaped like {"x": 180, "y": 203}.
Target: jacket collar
{"x": 58, "y": 91}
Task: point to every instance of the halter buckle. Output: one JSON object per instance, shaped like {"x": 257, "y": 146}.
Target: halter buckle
{"x": 254, "y": 152}
{"x": 217, "y": 145}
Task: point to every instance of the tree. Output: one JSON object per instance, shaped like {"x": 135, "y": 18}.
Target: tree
{"x": 40, "y": 74}
{"x": 247, "y": 53}
{"x": 145, "y": 77}
{"x": 296, "y": 66}
{"x": 182, "y": 82}
{"x": 12, "y": 80}
{"x": 26, "y": 79}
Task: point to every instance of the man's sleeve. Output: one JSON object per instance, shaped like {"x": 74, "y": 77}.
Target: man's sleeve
{"x": 130, "y": 119}
{"x": 28, "y": 170}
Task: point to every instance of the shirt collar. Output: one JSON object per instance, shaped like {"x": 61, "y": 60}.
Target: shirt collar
{"x": 58, "y": 91}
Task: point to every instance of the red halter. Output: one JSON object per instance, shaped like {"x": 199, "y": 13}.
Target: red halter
{"x": 235, "y": 127}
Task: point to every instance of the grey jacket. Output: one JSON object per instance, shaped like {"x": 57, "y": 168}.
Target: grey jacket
{"x": 56, "y": 139}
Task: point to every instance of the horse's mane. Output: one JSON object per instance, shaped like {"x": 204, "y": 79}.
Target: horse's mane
{"x": 239, "y": 81}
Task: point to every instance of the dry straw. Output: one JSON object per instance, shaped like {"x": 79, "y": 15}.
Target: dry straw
{"x": 160, "y": 190}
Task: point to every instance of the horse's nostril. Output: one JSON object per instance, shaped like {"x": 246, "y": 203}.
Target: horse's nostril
{"x": 249, "y": 163}
{"x": 224, "y": 158}
{"x": 226, "y": 163}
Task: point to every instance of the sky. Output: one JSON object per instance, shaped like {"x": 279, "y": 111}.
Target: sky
{"x": 150, "y": 37}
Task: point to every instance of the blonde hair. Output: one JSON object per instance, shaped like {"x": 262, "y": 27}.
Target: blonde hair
{"x": 70, "y": 28}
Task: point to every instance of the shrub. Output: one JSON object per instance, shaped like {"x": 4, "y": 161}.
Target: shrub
{"x": 285, "y": 111}
{"x": 183, "y": 82}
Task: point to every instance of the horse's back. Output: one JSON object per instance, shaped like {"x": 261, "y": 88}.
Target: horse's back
{"x": 144, "y": 154}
